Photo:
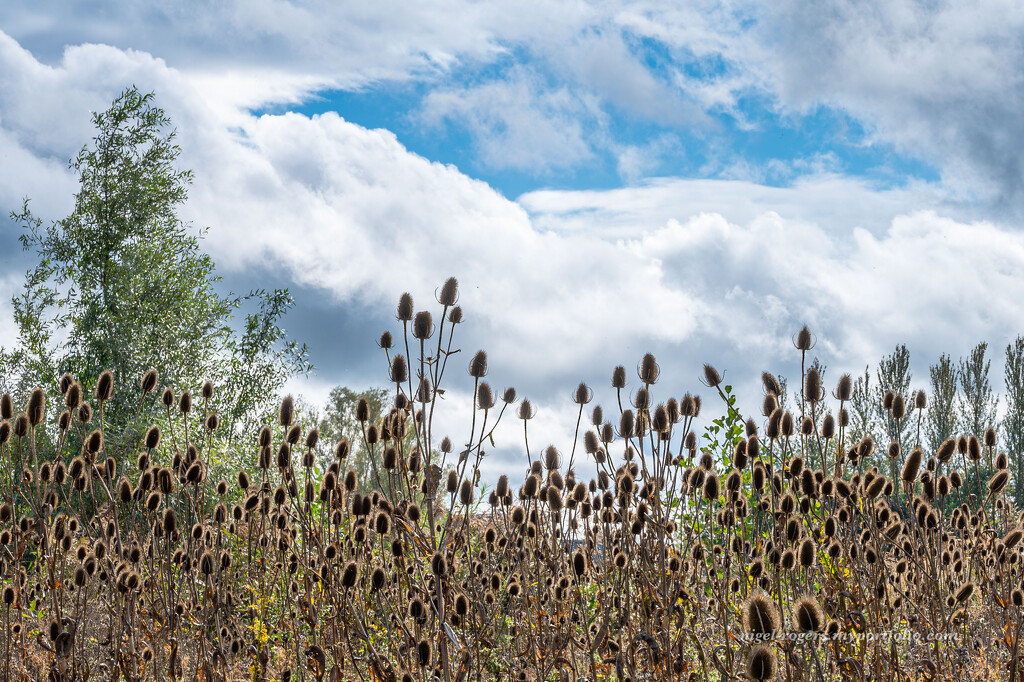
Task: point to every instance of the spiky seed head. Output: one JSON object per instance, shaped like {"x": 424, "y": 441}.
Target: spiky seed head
{"x": 350, "y": 575}
{"x": 21, "y": 425}
{"x": 998, "y": 482}
{"x": 807, "y": 553}
{"x": 439, "y": 565}
{"x": 466, "y": 492}
{"x": 478, "y": 365}
{"x": 828, "y": 427}
{"x": 105, "y": 386}
{"x": 974, "y": 447}
{"x": 423, "y": 325}
{"x": 424, "y": 653}
{"x": 1013, "y": 538}
{"x": 149, "y": 381}
{"x": 170, "y": 521}
{"x": 484, "y": 396}
{"x": 990, "y": 437}
{"x": 212, "y": 421}
{"x": 808, "y": 615}
{"x": 844, "y": 389}
{"x": 449, "y": 292}
{"x": 804, "y": 342}
{"x": 286, "y": 413}
{"x": 711, "y": 376}
{"x": 94, "y": 442}
{"x": 946, "y": 450}
{"x": 551, "y": 457}
{"x": 912, "y": 465}
{"x": 712, "y": 487}
{"x": 786, "y": 424}
{"x": 759, "y": 615}
{"x": 812, "y": 385}
{"x": 404, "y": 312}
{"x": 648, "y": 371}
{"x": 399, "y": 370}
{"x": 964, "y": 593}
{"x": 899, "y": 407}
{"x": 761, "y": 663}
{"x": 583, "y": 394}
{"x": 36, "y": 407}
{"x": 619, "y": 377}
{"x": 920, "y": 400}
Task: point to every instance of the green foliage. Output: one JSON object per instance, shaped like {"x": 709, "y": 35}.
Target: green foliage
{"x": 122, "y": 284}
{"x": 863, "y": 419}
{"x": 339, "y": 421}
{"x": 977, "y": 401}
{"x": 1013, "y": 423}
{"x": 941, "y": 421}
{"x": 723, "y": 433}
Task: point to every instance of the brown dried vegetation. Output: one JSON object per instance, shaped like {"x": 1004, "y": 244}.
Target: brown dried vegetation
{"x": 787, "y": 556}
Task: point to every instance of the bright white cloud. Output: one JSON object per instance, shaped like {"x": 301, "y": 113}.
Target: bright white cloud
{"x": 564, "y": 285}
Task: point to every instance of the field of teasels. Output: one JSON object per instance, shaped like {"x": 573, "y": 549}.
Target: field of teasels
{"x": 780, "y": 552}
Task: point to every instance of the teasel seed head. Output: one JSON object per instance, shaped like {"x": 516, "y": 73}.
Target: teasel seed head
{"x": 998, "y": 482}
{"x": 423, "y": 325}
{"x": 711, "y": 376}
{"x": 712, "y": 488}
{"x": 404, "y": 312}
{"x": 648, "y": 370}
{"x": 911, "y": 465}
{"x": 920, "y": 400}
{"x": 761, "y": 663}
{"x": 812, "y": 385}
{"x": 786, "y": 425}
{"x": 350, "y": 575}
{"x": 170, "y": 521}
{"x": 478, "y": 365}
{"x": 990, "y": 437}
{"x": 149, "y": 381}
{"x": 619, "y": 377}
{"x": 105, "y": 386}
{"x": 964, "y": 593}
{"x": 424, "y": 653}
{"x": 21, "y": 426}
{"x": 974, "y": 447}
{"x": 759, "y": 615}
{"x": 828, "y": 427}
{"x": 946, "y": 450}
{"x": 36, "y": 407}
{"x": 807, "y": 553}
{"x": 899, "y": 407}
{"x": 1002, "y": 461}
{"x": 808, "y": 615}
{"x": 466, "y": 492}
{"x": 185, "y": 402}
{"x": 399, "y": 370}
{"x": 439, "y": 565}
{"x": 286, "y": 413}
{"x": 803, "y": 341}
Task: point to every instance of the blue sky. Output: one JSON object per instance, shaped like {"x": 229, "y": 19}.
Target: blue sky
{"x": 605, "y": 178}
